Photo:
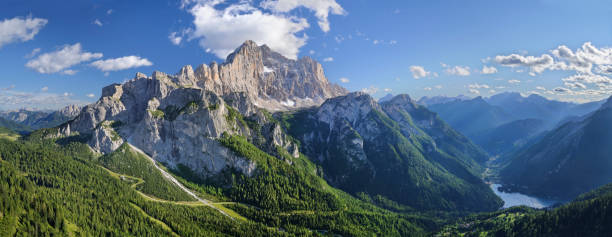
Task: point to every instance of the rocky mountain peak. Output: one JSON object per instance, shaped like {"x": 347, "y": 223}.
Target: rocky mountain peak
{"x": 273, "y": 81}
{"x": 403, "y": 101}
{"x": 402, "y": 98}
{"x": 248, "y": 50}
{"x": 351, "y": 107}
{"x": 70, "y": 111}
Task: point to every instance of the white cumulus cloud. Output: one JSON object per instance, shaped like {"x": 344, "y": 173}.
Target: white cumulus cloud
{"x": 514, "y": 81}
{"x": 222, "y": 30}
{"x": 328, "y": 59}
{"x": 419, "y": 72}
{"x": 589, "y": 79}
{"x": 605, "y": 69}
{"x": 344, "y": 80}
{"x": 575, "y": 85}
{"x": 488, "y": 70}
{"x": 458, "y": 71}
{"x": 20, "y": 29}
{"x": 583, "y": 59}
{"x": 322, "y": 8}
{"x": 536, "y": 64}
{"x": 66, "y": 57}
{"x": 117, "y": 64}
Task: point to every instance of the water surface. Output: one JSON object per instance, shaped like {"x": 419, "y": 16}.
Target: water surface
{"x": 517, "y": 199}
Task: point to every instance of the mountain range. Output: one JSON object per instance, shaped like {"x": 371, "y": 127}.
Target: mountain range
{"x": 29, "y": 119}
{"x": 265, "y": 145}
{"x": 567, "y": 161}
{"x": 188, "y": 120}
{"x": 397, "y": 149}
{"x": 505, "y": 122}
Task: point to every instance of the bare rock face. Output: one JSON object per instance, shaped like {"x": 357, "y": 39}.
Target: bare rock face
{"x": 178, "y": 119}
{"x": 275, "y": 82}
{"x": 105, "y": 139}
{"x": 70, "y": 111}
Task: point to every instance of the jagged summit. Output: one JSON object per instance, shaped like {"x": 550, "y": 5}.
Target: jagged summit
{"x": 272, "y": 81}
{"x": 351, "y": 107}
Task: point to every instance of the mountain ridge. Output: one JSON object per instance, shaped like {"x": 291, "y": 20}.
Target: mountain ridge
{"x": 567, "y": 161}
{"x": 364, "y": 146}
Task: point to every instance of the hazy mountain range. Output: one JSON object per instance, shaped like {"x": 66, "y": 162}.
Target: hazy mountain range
{"x": 506, "y": 121}
{"x": 567, "y": 161}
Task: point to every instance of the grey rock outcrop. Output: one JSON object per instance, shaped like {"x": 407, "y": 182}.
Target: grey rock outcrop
{"x": 70, "y": 111}
{"x": 178, "y": 119}
{"x": 273, "y": 81}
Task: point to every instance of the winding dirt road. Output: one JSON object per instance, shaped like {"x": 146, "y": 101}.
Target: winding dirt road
{"x": 171, "y": 178}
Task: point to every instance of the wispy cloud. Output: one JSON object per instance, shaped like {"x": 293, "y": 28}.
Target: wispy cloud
{"x": 457, "y": 70}
{"x": 41, "y": 100}
{"x": 175, "y": 38}
{"x": 478, "y": 86}
{"x": 117, "y": 64}
{"x": 33, "y": 53}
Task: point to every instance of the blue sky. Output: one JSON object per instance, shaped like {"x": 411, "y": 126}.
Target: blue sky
{"x": 55, "y": 53}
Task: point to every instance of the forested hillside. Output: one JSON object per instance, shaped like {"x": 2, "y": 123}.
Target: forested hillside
{"x": 588, "y": 215}
{"x": 65, "y": 190}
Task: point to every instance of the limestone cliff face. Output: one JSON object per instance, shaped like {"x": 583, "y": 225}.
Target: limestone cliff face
{"x": 273, "y": 81}
{"x": 178, "y": 119}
